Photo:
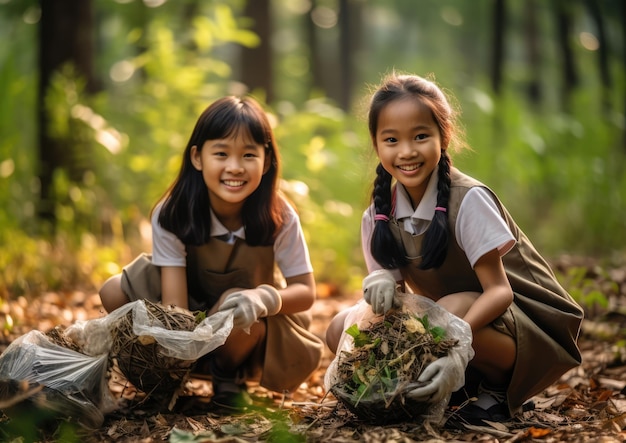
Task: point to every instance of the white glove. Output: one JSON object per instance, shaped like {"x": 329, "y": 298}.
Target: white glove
{"x": 251, "y": 304}
{"x": 443, "y": 376}
{"x": 379, "y": 289}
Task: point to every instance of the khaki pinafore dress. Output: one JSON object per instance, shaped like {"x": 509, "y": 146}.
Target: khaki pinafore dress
{"x": 543, "y": 319}
{"x": 292, "y": 353}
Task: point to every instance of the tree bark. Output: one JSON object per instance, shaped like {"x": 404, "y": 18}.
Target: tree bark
{"x": 532, "y": 38}
{"x": 603, "y": 52}
{"x": 315, "y": 58}
{"x": 497, "y": 56}
{"x": 623, "y": 21}
{"x": 65, "y": 37}
{"x": 256, "y": 63}
{"x": 569, "y": 72}
{"x": 346, "y": 73}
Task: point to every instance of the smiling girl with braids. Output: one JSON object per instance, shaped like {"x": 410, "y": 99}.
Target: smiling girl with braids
{"x": 437, "y": 232}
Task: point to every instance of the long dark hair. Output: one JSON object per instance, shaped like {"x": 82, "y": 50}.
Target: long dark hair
{"x": 385, "y": 250}
{"x": 186, "y": 206}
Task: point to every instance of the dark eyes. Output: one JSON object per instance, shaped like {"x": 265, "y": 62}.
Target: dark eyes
{"x": 395, "y": 140}
{"x": 225, "y": 154}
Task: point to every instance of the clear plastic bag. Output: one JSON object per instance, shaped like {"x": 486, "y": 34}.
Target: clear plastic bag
{"x": 94, "y": 337}
{"x": 74, "y": 383}
{"x": 390, "y": 404}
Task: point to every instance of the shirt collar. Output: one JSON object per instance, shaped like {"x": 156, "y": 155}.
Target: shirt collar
{"x": 219, "y": 230}
{"x": 426, "y": 208}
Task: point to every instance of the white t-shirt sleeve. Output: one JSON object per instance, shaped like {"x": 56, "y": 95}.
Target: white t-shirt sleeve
{"x": 480, "y": 227}
{"x": 167, "y": 249}
{"x": 291, "y": 252}
{"x": 367, "y": 228}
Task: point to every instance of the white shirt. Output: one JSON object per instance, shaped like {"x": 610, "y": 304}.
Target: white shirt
{"x": 479, "y": 226}
{"x": 290, "y": 249}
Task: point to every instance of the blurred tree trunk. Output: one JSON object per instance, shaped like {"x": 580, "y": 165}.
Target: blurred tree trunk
{"x": 564, "y": 27}
{"x": 332, "y": 68}
{"x": 315, "y": 57}
{"x": 532, "y": 38}
{"x": 497, "y": 54}
{"x": 603, "y": 51}
{"x": 256, "y": 63}
{"x": 65, "y": 37}
{"x": 623, "y": 22}
{"x": 348, "y": 22}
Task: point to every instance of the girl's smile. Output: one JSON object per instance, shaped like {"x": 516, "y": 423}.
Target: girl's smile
{"x": 234, "y": 183}
{"x": 409, "y": 169}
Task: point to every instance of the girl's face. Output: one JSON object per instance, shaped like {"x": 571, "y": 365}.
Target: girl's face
{"x": 408, "y": 144}
{"x": 232, "y": 169}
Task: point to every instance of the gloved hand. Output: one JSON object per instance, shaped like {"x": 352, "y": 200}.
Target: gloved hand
{"x": 379, "y": 289}
{"x": 443, "y": 376}
{"x": 251, "y": 304}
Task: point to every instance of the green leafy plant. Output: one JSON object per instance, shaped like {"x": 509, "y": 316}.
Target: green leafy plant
{"x": 588, "y": 290}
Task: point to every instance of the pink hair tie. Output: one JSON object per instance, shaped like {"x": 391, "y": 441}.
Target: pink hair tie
{"x": 441, "y": 208}
{"x": 381, "y": 217}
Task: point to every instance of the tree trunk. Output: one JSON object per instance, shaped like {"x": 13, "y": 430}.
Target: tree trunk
{"x": 497, "y": 56}
{"x": 623, "y": 21}
{"x": 65, "y": 37}
{"x": 569, "y": 72}
{"x": 315, "y": 58}
{"x": 532, "y": 38}
{"x": 256, "y": 63}
{"x": 346, "y": 74}
{"x": 603, "y": 52}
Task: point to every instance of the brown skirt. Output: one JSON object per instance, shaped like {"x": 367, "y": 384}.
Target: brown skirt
{"x": 292, "y": 352}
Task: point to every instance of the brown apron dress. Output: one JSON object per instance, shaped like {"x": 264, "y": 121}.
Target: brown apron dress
{"x": 543, "y": 319}
{"x": 292, "y": 352}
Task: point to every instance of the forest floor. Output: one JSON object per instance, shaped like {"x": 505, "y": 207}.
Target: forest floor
{"x": 587, "y": 404}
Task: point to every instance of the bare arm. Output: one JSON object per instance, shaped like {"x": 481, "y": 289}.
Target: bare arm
{"x": 174, "y": 286}
{"x": 299, "y": 294}
{"x": 497, "y": 294}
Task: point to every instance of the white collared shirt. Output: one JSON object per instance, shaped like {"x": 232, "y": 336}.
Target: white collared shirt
{"x": 290, "y": 249}
{"x": 417, "y": 221}
{"x": 479, "y": 228}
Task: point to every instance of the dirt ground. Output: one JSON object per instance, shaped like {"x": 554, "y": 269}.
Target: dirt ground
{"x": 588, "y": 403}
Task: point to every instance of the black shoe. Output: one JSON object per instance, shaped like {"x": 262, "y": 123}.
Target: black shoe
{"x": 491, "y": 405}
{"x": 230, "y": 397}
{"x": 475, "y": 415}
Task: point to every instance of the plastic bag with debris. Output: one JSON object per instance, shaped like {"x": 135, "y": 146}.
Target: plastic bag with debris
{"x": 380, "y": 357}
{"x": 66, "y": 372}
{"x": 54, "y": 378}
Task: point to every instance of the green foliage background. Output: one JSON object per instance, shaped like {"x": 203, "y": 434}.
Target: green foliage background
{"x": 560, "y": 174}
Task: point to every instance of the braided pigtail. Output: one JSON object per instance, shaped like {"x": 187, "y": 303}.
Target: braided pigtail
{"x": 435, "y": 245}
{"x": 385, "y": 250}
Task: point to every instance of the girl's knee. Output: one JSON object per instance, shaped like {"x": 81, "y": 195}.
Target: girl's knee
{"x": 458, "y": 303}
{"x": 334, "y": 331}
{"x": 495, "y": 351}
{"x": 241, "y": 346}
{"x": 111, "y": 294}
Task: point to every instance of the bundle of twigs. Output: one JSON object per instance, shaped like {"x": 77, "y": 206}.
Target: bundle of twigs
{"x": 387, "y": 358}
{"x": 142, "y": 360}
{"x": 57, "y": 336}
